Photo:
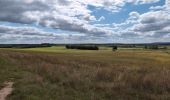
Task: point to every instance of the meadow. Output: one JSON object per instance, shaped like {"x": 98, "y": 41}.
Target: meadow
{"x": 55, "y": 73}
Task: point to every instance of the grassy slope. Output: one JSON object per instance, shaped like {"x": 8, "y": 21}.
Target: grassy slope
{"x": 86, "y": 75}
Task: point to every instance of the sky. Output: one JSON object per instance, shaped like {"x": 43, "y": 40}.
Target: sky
{"x": 84, "y": 21}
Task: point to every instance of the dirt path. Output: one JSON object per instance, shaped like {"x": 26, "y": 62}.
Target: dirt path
{"x": 4, "y": 92}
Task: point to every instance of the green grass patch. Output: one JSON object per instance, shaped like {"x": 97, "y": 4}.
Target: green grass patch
{"x": 54, "y": 49}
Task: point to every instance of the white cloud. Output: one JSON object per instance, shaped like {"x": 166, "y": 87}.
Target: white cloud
{"x": 57, "y": 14}
{"x": 167, "y": 3}
{"x": 146, "y": 1}
{"x": 74, "y": 15}
{"x": 153, "y": 24}
{"x": 10, "y": 34}
{"x": 157, "y": 7}
{"x": 101, "y": 18}
{"x": 134, "y": 15}
{"x": 25, "y": 34}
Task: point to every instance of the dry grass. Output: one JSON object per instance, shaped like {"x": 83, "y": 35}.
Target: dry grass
{"x": 122, "y": 75}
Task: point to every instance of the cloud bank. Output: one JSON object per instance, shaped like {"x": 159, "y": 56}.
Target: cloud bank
{"x": 75, "y": 16}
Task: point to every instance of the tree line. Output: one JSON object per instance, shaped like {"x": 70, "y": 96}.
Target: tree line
{"x": 82, "y": 47}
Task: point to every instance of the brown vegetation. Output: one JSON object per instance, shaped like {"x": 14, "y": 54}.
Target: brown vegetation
{"x": 124, "y": 75}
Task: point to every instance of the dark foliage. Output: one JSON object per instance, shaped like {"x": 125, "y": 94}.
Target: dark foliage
{"x": 114, "y": 48}
{"x": 152, "y": 47}
{"x": 24, "y": 45}
{"x": 82, "y": 47}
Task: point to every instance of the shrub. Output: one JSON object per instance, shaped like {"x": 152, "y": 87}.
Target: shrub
{"x": 114, "y": 48}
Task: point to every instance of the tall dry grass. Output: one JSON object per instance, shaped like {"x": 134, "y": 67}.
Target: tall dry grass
{"x": 108, "y": 76}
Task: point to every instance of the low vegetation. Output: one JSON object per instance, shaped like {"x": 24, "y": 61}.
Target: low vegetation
{"x": 155, "y": 47}
{"x": 86, "y": 75}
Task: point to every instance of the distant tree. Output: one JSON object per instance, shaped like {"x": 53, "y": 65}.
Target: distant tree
{"x": 67, "y": 46}
{"x": 114, "y": 48}
{"x": 165, "y": 47}
{"x": 133, "y": 45}
{"x": 155, "y": 47}
{"x": 146, "y": 47}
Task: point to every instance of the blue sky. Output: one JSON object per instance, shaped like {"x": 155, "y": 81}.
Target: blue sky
{"x": 122, "y": 15}
{"x": 84, "y": 21}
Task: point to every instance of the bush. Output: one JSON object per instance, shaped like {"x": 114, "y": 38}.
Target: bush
{"x": 114, "y": 48}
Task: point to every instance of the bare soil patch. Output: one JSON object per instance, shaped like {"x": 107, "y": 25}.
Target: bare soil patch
{"x": 4, "y": 92}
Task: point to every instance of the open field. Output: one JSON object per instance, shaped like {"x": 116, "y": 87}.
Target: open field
{"x": 55, "y": 73}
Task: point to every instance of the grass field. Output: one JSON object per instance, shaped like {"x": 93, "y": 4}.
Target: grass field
{"x": 58, "y": 74}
